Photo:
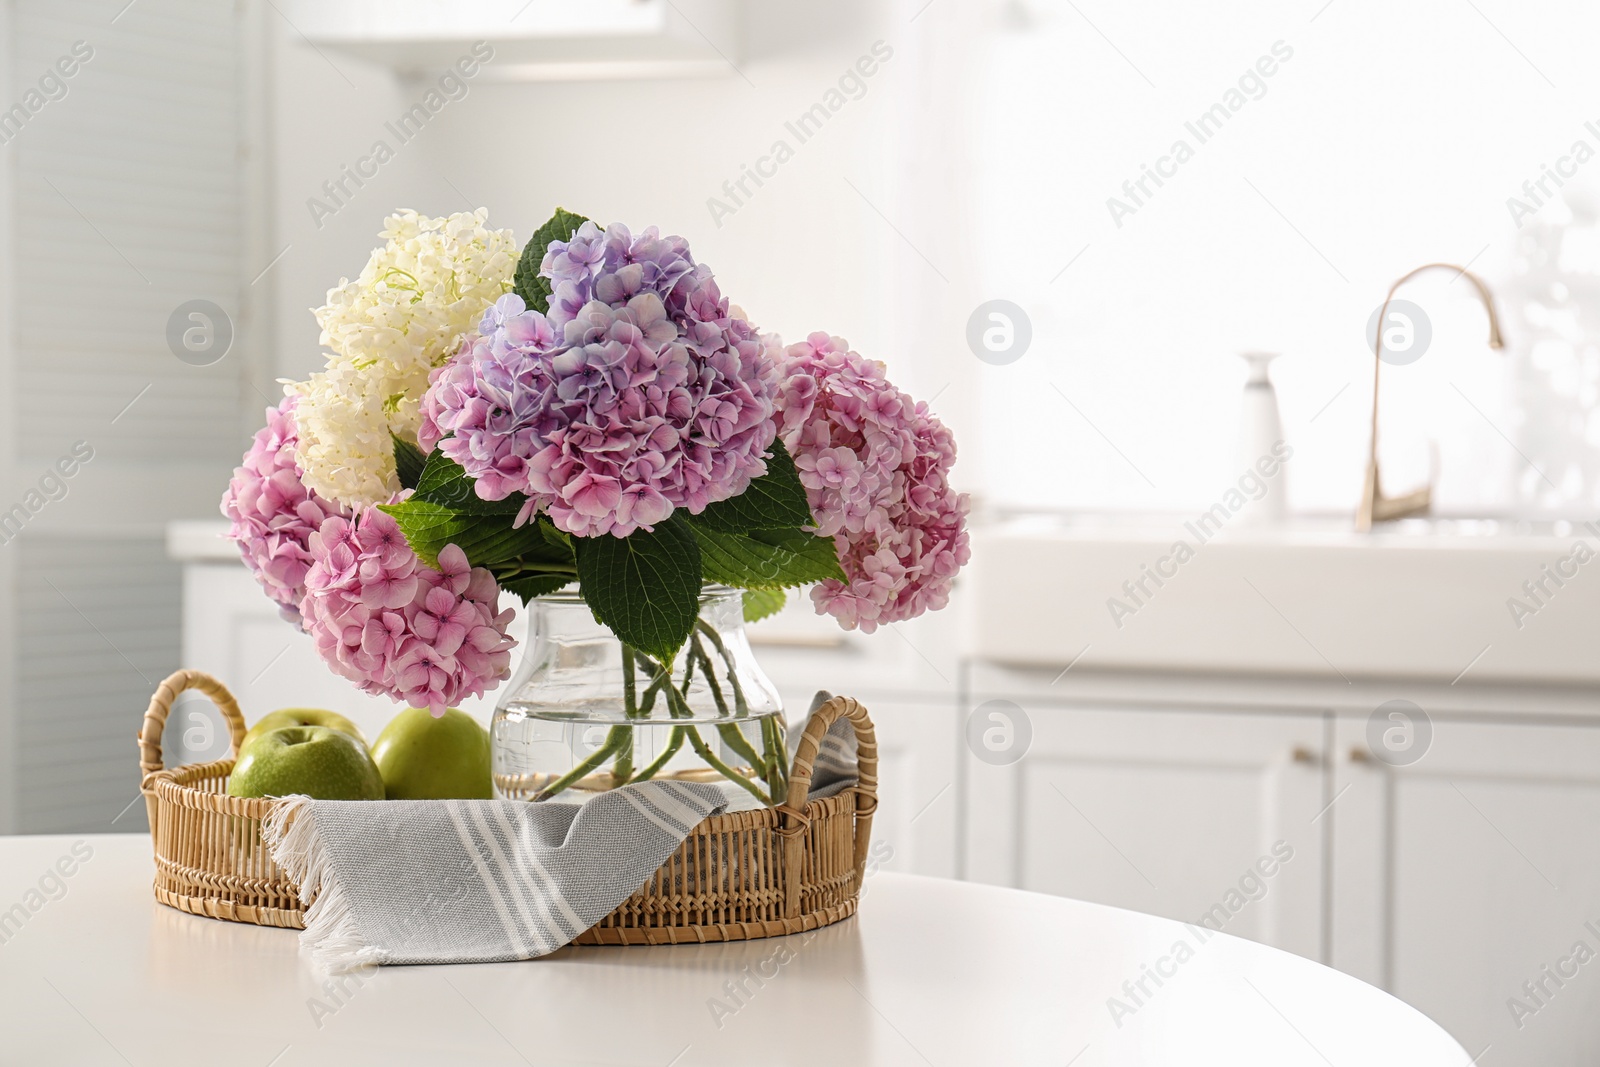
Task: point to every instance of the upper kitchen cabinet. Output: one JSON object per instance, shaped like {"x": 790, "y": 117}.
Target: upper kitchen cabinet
{"x": 533, "y": 40}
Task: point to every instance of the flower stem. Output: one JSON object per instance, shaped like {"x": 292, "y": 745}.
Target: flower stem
{"x": 704, "y": 752}
{"x": 595, "y": 759}
{"x": 731, "y": 735}
{"x": 688, "y": 677}
{"x": 630, "y": 701}
{"x": 622, "y": 769}
{"x": 648, "y": 701}
{"x": 681, "y": 710}
{"x": 674, "y": 742}
{"x": 739, "y": 703}
{"x": 774, "y": 767}
{"x": 777, "y": 756}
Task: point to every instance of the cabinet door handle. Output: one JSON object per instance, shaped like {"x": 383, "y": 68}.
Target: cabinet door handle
{"x": 1302, "y": 754}
{"x": 1359, "y": 755}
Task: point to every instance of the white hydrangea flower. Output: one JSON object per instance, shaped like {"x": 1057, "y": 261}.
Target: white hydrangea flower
{"x": 419, "y": 294}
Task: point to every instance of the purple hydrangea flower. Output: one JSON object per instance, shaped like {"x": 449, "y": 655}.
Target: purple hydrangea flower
{"x": 613, "y": 266}
{"x": 491, "y": 396}
{"x": 640, "y": 392}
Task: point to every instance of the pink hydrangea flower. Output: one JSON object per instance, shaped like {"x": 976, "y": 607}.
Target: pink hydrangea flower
{"x": 273, "y": 514}
{"x": 876, "y": 466}
{"x": 391, "y": 624}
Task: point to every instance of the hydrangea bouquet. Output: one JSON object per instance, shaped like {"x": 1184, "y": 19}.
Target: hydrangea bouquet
{"x": 591, "y": 411}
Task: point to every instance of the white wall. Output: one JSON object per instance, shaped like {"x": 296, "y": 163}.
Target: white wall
{"x": 805, "y": 252}
{"x": 327, "y": 109}
{"x": 982, "y": 158}
{"x": 1392, "y": 138}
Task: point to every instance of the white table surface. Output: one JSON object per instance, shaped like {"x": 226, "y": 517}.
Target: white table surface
{"x": 931, "y": 973}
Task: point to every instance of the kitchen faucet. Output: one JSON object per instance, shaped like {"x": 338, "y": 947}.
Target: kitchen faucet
{"x": 1375, "y": 507}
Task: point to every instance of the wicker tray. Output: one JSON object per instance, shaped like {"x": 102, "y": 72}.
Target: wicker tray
{"x": 747, "y": 874}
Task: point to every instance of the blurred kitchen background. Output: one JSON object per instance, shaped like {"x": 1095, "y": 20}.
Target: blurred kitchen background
{"x": 1375, "y": 703}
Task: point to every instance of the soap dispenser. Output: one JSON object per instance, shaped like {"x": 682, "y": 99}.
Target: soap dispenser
{"x": 1261, "y": 435}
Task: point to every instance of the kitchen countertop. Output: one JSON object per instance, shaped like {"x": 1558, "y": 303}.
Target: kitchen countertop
{"x": 1435, "y": 601}
{"x": 932, "y": 972}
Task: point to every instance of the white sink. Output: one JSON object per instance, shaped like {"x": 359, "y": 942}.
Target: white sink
{"x": 1423, "y": 599}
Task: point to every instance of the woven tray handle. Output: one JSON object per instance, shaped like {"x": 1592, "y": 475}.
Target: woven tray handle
{"x": 793, "y": 820}
{"x": 155, "y": 716}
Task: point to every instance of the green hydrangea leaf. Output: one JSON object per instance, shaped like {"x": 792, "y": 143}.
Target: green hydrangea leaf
{"x": 528, "y": 586}
{"x": 408, "y": 461}
{"x": 645, "y": 587}
{"x": 444, "y": 482}
{"x": 760, "y": 603}
{"x": 766, "y": 559}
{"x": 486, "y": 539}
{"x": 526, "y": 283}
{"x": 774, "y": 501}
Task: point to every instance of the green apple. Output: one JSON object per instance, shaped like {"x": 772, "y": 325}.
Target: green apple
{"x": 274, "y": 720}
{"x": 319, "y": 761}
{"x": 423, "y": 758}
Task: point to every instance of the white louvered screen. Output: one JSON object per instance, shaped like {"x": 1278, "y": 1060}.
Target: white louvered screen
{"x": 128, "y": 204}
{"x": 128, "y": 200}
{"x": 100, "y": 629}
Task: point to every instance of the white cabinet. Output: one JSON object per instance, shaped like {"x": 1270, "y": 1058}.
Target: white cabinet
{"x": 906, "y": 677}
{"x": 1197, "y": 816}
{"x": 1458, "y": 879}
{"x": 1465, "y": 882}
{"x": 918, "y": 804}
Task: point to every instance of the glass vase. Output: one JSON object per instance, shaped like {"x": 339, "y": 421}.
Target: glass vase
{"x": 585, "y": 713}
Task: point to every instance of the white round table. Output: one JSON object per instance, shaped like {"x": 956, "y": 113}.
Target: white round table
{"x": 931, "y": 973}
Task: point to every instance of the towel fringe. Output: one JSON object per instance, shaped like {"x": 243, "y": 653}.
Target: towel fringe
{"x": 332, "y": 935}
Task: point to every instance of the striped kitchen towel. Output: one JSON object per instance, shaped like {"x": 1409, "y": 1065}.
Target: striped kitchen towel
{"x": 477, "y": 881}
